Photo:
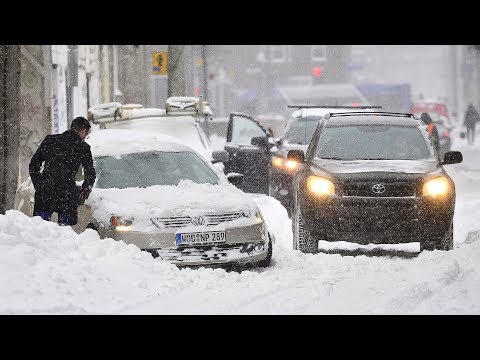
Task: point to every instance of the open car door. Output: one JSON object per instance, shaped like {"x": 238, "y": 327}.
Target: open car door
{"x": 248, "y": 146}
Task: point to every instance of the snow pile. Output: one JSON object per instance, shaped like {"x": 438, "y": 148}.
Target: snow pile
{"x": 48, "y": 269}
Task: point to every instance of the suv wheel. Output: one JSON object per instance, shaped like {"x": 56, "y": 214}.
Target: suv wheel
{"x": 444, "y": 242}
{"x": 301, "y": 236}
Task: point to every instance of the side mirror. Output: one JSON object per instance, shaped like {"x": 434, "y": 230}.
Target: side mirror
{"x": 235, "y": 178}
{"x": 220, "y": 156}
{"x": 260, "y": 141}
{"x": 296, "y": 155}
{"x": 452, "y": 157}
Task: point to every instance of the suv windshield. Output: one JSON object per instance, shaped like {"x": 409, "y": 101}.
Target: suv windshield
{"x": 300, "y": 131}
{"x": 376, "y": 142}
{"x": 152, "y": 168}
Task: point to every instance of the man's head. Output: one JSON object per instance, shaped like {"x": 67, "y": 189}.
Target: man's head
{"x": 81, "y": 126}
{"x": 426, "y": 118}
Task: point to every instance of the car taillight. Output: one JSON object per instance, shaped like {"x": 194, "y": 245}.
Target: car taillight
{"x": 446, "y": 133}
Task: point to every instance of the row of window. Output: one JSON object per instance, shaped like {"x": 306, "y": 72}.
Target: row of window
{"x": 279, "y": 53}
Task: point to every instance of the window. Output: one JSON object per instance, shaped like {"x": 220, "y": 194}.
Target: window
{"x": 152, "y": 168}
{"x": 319, "y": 52}
{"x": 373, "y": 142}
{"x": 244, "y": 130}
{"x": 278, "y": 53}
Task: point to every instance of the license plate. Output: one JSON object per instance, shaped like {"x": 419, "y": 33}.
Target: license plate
{"x": 200, "y": 238}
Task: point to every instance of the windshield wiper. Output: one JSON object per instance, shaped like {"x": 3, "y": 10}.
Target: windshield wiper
{"x": 331, "y": 158}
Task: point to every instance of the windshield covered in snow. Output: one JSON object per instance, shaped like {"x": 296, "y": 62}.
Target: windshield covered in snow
{"x": 152, "y": 168}
{"x": 301, "y": 130}
{"x": 372, "y": 142}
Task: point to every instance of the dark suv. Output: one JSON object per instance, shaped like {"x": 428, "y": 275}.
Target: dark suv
{"x": 372, "y": 177}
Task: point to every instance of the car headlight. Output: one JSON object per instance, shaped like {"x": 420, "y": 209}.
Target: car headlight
{"x": 320, "y": 186}
{"x": 282, "y": 163}
{"x": 258, "y": 216}
{"x": 121, "y": 224}
{"x": 438, "y": 186}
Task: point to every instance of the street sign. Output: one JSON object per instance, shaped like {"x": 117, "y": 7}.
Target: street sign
{"x": 159, "y": 63}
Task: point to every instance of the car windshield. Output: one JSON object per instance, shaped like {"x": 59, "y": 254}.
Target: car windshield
{"x": 152, "y": 168}
{"x": 376, "y": 142}
{"x": 300, "y": 131}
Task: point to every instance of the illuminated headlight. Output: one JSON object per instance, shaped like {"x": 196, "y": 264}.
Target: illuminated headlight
{"x": 320, "y": 186}
{"x": 436, "y": 187}
{"x": 283, "y": 163}
{"x": 121, "y": 224}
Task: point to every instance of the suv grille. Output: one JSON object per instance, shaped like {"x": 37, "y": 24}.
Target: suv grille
{"x": 366, "y": 189}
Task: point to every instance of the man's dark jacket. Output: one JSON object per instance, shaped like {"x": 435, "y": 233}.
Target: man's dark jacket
{"x": 55, "y": 187}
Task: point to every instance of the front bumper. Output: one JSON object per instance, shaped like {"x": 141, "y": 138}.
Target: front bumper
{"x": 244, "y": 244}
{"x": 378, "y": 220}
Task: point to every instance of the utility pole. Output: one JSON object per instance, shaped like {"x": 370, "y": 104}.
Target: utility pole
{"x": 9, "y": 124}
{"x": 205, "y": 73}
{"x": 176, "y": 72}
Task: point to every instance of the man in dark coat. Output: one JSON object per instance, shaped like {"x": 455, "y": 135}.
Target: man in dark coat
{"x": 471, "y": 118}
{"x": 55, "y": 186}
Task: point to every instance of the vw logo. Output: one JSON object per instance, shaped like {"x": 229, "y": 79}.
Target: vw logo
{"x": 199, "y": 221}
{"x": 378, "y": 188}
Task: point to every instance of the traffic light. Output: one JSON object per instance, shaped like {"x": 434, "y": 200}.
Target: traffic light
{"x": 317, "y": 72}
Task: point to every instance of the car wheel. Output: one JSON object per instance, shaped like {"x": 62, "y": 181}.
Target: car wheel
{"x": 443, "y": 243}
{"x": 266, "y": 262}
{"x": 302, "y": 238}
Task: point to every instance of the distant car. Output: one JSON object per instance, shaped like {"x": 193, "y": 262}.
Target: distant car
{"x": 167, "y": 199}
{"x": 437, "y": 110}
{"x": 372, "y": 177}
{"x": 296, "y": 136}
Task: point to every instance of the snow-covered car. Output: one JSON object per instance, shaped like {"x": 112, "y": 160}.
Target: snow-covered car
{"x": 168, "y": 199}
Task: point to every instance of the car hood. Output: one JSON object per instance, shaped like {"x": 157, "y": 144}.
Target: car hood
{"x": 186, "y": 199}
{"x": 390, "y": 166}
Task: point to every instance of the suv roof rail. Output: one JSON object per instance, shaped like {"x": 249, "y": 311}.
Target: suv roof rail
{"x": 380, "y": 113}
{"x": 335, "y": 106}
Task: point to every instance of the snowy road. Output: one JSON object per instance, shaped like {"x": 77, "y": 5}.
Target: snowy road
{"x": 46, "y": 269}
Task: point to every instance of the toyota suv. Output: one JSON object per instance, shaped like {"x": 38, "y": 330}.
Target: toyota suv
{"x": 372, "y": 177}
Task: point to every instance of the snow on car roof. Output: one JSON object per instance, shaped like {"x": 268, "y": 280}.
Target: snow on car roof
{"x": 322, "y": 111}
{"x": 117, "y": 142}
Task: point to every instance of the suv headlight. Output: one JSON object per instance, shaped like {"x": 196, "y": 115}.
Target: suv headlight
{"x": 438, "y": 186}
{"x": 282, "y": 163}
{"x": 320, "y": 186}
{"x": 121, "y": 224}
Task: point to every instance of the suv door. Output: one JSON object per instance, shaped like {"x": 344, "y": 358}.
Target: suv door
{"x": 252, "y": 161}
